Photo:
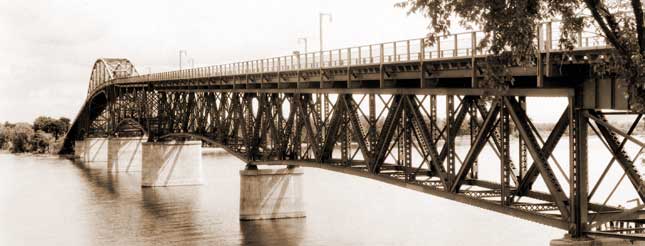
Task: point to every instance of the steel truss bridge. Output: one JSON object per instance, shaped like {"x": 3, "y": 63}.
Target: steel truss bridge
{"x": 372, "y": 111}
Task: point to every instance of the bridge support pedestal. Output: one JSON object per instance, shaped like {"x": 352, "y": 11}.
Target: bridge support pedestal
{"x": 594, "y": 241}
{"x": 271, "y": 193}
{"x": 95, "y": 151}
{"x": 124, "y": 154}
{"x": 79, "y": 149}
{"x": 171, "y": 163}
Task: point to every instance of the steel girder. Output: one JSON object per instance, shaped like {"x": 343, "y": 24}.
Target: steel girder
{"x": 306, "y": 129}
{"x": 521, "y": 121}
{"x": 619, "y": 153}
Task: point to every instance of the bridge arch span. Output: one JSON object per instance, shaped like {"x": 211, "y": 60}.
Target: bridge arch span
{"x": 98, "y": 97}
{"x": 106, "y": 69}
{"x": 207, "y": 140}
{"x": 129, "y": 127}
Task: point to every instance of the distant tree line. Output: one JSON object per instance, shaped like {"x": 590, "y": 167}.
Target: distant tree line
{"x": 45, "y": 135}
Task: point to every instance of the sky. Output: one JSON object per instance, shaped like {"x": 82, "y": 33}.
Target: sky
{"x": 48, "y": 47}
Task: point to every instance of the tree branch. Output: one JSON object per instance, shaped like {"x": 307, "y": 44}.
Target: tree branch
{"x": 638, "y": 14}
{"x": 595, "y": 9}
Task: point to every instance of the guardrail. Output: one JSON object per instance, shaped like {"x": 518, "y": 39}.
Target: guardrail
{"x": 459, "y": 45}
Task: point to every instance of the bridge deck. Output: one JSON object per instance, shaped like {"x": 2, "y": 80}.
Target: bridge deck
{"x": 241, "y": 107}
{"x": 450, "y": 62}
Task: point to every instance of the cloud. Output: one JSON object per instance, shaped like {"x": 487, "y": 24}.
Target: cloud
{"x": 49, "y": 46}
{"x": 51, "y": 23}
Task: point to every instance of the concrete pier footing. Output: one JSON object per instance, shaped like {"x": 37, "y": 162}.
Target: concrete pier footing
{"x": 79, "y": 149}
{"x": 95, "y": 151}
{"x": 271, "y": 194}
{"x": 124, "y": 154}
{"x": 171, "y": 163}
{"x": 594, "y": 241}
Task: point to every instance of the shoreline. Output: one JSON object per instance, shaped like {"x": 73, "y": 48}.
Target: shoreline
{"x": 29, "y": 154}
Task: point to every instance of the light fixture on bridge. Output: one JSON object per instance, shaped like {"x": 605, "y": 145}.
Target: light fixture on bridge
{"x": 184, "y": 52}
{"x": 191, "y": 61}
{"x": 322, "y": 15}
{"x": 305, "y": 41}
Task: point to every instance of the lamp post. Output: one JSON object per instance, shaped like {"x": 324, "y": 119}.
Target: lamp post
{"x": 305, "y": 40}
{"x": 191, "y": 61}
{"x": 184, "y": 52}
{"x": 322, "y": 15}
{"x": 322, "y": 105}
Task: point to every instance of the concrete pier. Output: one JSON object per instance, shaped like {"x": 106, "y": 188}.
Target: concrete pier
{"x": 594, "y": 241}
{"x": 171, "y": 163}
{"x": 79, "y": 149}
{"x": 95, "y": 151}
{"x": 124, "y": 154}
{"x": 271, "y": 193}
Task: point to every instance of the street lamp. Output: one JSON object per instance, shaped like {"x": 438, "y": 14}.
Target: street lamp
{"x": 191, "y": 61}
{"x": 184, "y": 52}
{"x": 323, "y": 106}
{"x": 322, "y": 15}
{"x": 305, "y": 40}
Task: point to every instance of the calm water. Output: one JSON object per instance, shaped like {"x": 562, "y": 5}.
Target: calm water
{"x": 53, "y": 201}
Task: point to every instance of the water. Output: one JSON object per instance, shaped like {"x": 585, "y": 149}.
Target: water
{"x": 53, "y": 201}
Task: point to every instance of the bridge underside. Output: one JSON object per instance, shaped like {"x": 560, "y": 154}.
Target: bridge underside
{"x": 431, "y": 131}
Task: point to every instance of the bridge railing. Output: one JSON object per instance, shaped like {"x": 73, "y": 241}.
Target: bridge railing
{"x": 452, "y": 46}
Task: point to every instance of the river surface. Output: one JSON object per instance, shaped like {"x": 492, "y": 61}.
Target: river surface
{"x": 47, "y": 200}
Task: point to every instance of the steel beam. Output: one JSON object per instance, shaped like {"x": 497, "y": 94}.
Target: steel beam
{"x": 482, "y": 136}
{"x": 551, "y": 181}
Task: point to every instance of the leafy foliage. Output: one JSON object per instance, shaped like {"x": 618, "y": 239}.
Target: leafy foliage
{"x": 42, "y": 137}
{"x": 53, "y": 126}
{"x": 510, "y": 28}
{"x": 41, "y": 142}
{"x": 22, "y": 137}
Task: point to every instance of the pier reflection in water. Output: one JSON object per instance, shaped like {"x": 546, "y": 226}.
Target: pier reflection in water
{"x": 53, "y": 201}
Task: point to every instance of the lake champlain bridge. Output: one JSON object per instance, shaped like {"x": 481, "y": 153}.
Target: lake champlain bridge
{"x": 371, "y": 111}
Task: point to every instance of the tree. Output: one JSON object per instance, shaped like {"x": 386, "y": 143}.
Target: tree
{"x": 513, "y": 24}
{"x": 53, "y": 126}
{"x": 6, "y": 136}
{"x": 7, "y": 124}
{"x": 40, "y": 122}
{"x": 22, "y": 138}
{"x": 64, "y": 124}
{"x": 41, "y": 142}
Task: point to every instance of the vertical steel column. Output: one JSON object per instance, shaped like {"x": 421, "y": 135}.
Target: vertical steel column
{"x": 344, "y": 139}
{"x": 578, "y": 172}
{"x": 540, "y": 68}
{"x": 473, "y": 60}
{"x": 433, "y": 119}
{"x": 305, "y": 120}
{"x": 299, "y": 122}
{"x": 279, "y": 124}
{"x": 144, "y": 106}
{"x": 372, "y": 121}
{"x": 407, "y": 145}
{"x": 154, "y": 134}
{"x": 320, "y": 105}
{"x": 222, "y": 130}
{"x": 474, "y": 130}
{"x": 522, "y": 147}
{"x": 327, "y": 106}
{"x": 111, "y": 100}
{"x": 450, "y": 118}
{"x": 401, "y": 138}
{"x": 381, "y": 66}
{"x": 249, "y": 123}
{"x": 504, "y": 130}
